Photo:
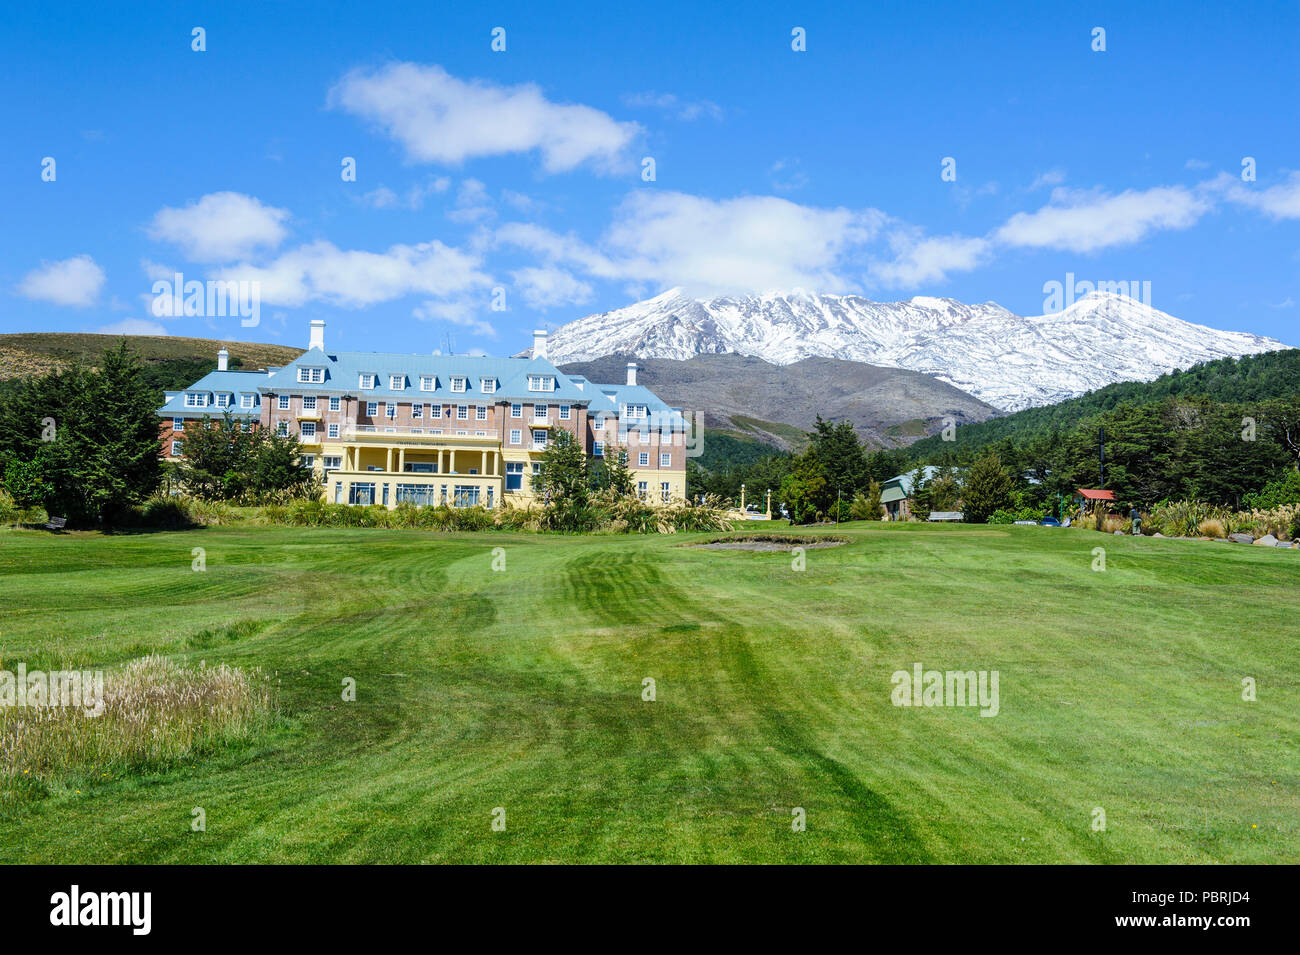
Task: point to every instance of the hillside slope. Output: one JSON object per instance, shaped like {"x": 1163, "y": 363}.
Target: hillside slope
{"x": 32, "y": 354}
{"x": 888, "y": 407}
{"x": 1235, "y": 380}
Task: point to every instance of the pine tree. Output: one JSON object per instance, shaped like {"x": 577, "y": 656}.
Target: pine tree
{"x": 987, "y": 489}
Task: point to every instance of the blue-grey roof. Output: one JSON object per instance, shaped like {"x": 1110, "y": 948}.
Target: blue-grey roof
{"x": 232, "y": 383}
{"x": 904, "y": 481}
{"x": 613, "y": 398}
{"x": 343, "y": 372}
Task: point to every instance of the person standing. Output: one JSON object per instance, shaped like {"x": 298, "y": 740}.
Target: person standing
{"x": 1136, "y": 518}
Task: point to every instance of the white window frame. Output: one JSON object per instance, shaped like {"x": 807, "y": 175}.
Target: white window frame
{"x": 366, "y": 380}
{"x": 428, "y": 382}
{"x": 598, "y": 449}
{"x": 665, "y": 459}
{"x": 396, "y": 382}
{"x": 390, "y": 410}
{"x": 308, "y": 402}
{"x": 307, "y": 429}
{"x": 541, "y": 383}
{"x": 335, "y": 404}
{"x": 417, "y": 410}
{"x": 643, "y": 459}
{"x": 282, "y": 402}
{"x": 459, "y": 383}
{"x": 333, "y": 430}
{"x": 248, "y": 401}
{"x": 480, "y": 413}
{"x": 487, "y": 385}
{"x": 176, "y": 449}
{"x": 516, "y": 436}
{"x": 564, "y": 412}
{"x": 196, "y": 399}
{"x": 178, "y": 424}
{"x": 516, "y": 410}
{"x": 435, "y": 411}
{"x": 372, "y": 409}
{"x": 541, "y": 412}
{"x": 311, "y": 376}
{"x": 462, "y": 412}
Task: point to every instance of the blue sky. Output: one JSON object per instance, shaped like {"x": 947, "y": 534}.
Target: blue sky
{"x": 516, "y": 177}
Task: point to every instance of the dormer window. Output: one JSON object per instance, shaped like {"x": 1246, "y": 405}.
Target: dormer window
{"x": 248, "y": 401}
{"x": 428, "y": 382}
{"x": 366, "y": 380}
{"x": 459, "y": 382}
{"x": 396, "y": 382}
{"x": 541, "y": 383}
{"x": 223, "y": 401}
{"x": 311, "y": 376}
{"x": 195, "y": 399}
{"x": 487, "y": 385}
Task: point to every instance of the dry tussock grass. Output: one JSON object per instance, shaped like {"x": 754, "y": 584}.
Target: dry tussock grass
{"x": 155, "y": 711}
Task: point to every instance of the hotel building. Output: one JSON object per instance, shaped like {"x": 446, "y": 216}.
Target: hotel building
{"x": 441, "y": 429}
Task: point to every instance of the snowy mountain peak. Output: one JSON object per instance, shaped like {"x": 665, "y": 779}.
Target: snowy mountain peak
{"x": 1008, "y": 360}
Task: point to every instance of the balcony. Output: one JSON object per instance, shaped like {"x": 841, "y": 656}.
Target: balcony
{"x": 379, "y": 434}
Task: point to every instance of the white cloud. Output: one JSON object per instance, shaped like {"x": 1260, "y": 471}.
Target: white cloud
{"x": 413, "y": 198}
{"x": 320, "y": 271}
{"x": 221, "y": 227}
{"x": 674, "y": 105}
{"x": 544, "y": 288}
{"x": 713, "y": 246}
{"x": 75, "y": 281}
{"x": 439, "y": 118}
{"x": 1196, "y": 164}
{"x": 132, "y": 326}
{"x": 925, "y": 260}
{"x": 1053, "y": 177}
{"x": 1084, "y": 221}
{"x": 787, "y": 176}
{"x": 463, "y": 312}
{"x": 156, "y": 271}
{"x": 1277, "y": 202}
{"x": 472, "y": 203}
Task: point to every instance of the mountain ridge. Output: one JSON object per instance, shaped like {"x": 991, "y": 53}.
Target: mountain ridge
{"x": 1006, "y": 360}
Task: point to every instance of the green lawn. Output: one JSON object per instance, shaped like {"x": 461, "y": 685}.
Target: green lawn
{"x": 522, "y": 689}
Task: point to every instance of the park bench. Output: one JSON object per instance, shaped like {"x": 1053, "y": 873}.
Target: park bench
{"x": 56, "y": 524}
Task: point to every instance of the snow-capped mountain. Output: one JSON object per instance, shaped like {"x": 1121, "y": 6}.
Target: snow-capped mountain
{"x": 1007, "y": 360}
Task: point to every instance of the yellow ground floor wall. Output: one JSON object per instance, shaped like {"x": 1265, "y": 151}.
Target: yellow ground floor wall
{"x": 368, "y": 474}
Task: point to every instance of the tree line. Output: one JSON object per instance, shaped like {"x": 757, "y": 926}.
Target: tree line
{"x": 83, "y": 443}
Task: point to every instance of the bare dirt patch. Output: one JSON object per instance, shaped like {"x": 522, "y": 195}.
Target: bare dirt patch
{"x": 769, "y": 542}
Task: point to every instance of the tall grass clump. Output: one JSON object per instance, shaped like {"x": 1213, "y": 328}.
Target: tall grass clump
{"x": 155, "y": 712}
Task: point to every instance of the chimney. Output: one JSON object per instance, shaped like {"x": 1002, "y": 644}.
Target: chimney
{"x": 539, "y": 343}
{"x": 223, "y": 359}
{"x": 631, "y": 373}
{"x": 317, "y": 334}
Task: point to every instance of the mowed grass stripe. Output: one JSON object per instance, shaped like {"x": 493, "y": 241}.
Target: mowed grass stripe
{"x": 521, "y": 688}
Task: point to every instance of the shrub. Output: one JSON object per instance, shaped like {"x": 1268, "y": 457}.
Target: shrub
{"x": 1007, "y": 515}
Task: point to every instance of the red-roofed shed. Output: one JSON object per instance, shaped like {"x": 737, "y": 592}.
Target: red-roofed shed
{"x": 1093, "y": 494}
